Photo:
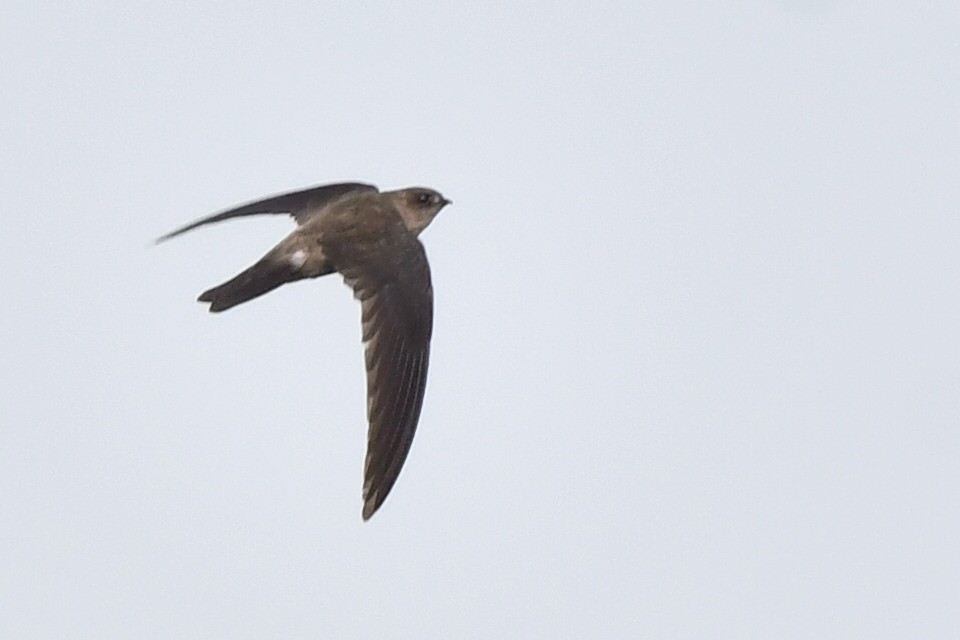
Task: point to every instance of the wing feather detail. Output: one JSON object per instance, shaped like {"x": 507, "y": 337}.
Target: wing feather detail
{"x": 396, "y": 297}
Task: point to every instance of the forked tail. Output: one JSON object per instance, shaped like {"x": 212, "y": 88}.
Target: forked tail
{"x": 259, "y": 279}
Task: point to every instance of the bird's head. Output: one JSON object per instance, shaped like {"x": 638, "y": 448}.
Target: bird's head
{"x": 418, "y": 206}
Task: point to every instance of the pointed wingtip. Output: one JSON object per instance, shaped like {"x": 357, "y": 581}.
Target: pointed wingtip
{"x": 187, "y": 227}
{"x": 172, "y": 234}
{"x": 169, "y": 235}
{"x": 370, "y": 507}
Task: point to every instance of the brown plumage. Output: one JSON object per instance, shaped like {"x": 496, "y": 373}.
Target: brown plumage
{"x": 371, "y": 239}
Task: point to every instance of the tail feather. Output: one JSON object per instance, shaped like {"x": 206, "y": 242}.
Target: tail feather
{"x": 255, "y": 281}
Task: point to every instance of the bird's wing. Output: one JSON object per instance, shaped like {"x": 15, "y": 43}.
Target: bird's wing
{"x": 295, "y": 203}
{"x": 392, "y": 282}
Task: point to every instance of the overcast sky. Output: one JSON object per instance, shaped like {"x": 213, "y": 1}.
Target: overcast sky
{"x": 696, "y": 360}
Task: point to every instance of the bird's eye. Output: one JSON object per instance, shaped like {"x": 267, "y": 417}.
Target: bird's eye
{"x": 424, "y": 198}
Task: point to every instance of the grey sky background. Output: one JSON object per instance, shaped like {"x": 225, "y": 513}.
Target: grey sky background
{"x": 695, "y": 361}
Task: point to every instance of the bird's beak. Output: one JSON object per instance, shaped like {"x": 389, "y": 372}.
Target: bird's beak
{"x": 446, "y": 202}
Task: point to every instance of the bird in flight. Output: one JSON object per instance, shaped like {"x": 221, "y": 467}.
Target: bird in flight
{"x": 370, "y": 238}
